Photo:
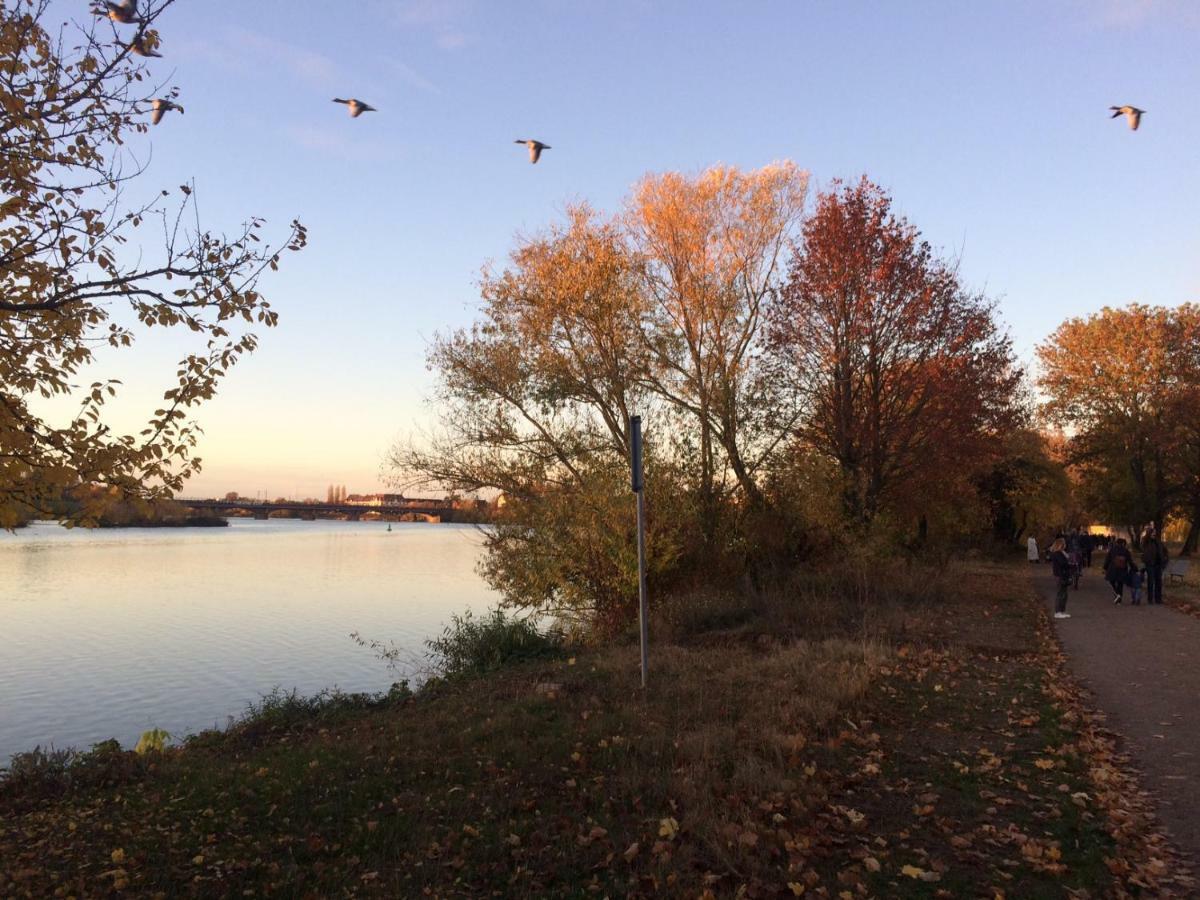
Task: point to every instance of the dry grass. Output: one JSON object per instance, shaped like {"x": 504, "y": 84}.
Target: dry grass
{"x": 735, "y": 725}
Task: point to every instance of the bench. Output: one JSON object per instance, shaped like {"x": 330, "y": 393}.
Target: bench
{"x": 1177, "y": 568}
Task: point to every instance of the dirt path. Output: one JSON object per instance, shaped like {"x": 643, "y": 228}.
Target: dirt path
{"x": 1140, "y": 663}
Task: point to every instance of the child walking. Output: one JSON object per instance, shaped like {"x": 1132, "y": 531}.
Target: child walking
{"x": 1136, "y": 580}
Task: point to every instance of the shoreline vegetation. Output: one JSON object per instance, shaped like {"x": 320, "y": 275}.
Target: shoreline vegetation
{"x": 911, "y": 736}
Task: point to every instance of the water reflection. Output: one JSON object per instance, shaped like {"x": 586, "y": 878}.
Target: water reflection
{"x": 109, "y": 633}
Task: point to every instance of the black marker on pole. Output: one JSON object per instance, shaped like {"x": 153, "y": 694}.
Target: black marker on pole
{"x": 635, "y": 428}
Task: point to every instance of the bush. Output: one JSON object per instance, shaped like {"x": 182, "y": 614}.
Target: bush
{"x": 38, "y": 773}
{"x": 470, "y": 646}
{"x": 43, "y": 775}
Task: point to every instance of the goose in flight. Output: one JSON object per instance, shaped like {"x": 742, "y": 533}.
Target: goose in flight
{"x": 160, "y": 107}
{"x": 535, "y": 148}
{"x": 124, "y": 12}
{"x": 139, "y": 47}
{"x": 1131, "y": 113}
{"x": 356, "y": 107}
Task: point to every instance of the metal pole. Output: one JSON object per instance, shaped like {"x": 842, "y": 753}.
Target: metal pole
{"x": 635, "y": 425}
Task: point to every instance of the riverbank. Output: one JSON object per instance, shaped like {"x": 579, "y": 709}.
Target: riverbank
{"x": 901, "y": 743}
{"x": 195, "y": 521}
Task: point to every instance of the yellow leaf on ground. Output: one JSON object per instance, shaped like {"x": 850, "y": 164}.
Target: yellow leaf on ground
{"x": 797, "y": 887}
{"x": 118, "y": 855}
{"x": 1044, "y": 763}
{"x": 668, "y": 828}
{"x": 912, "y": 871}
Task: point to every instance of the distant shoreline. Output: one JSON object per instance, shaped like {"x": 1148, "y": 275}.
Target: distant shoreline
{"x": 192, "y": 522}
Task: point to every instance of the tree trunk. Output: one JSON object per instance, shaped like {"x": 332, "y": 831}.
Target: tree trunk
{"x": 1193, "y": 535}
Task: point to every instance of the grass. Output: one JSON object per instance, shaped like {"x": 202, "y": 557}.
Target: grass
{"x": 827, "y": 737}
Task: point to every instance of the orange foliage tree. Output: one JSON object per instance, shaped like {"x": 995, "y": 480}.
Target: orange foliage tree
{"x": 657, "y": 311}
{"x": 711, "y": 250}
{"x": 904, "y": 377}
{"x": 1126, "y": 384}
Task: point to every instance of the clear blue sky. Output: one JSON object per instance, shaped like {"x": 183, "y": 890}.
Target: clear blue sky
{"x": 987, "y": 120}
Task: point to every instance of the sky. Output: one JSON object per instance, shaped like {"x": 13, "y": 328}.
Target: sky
{"x": 988, "y": 122}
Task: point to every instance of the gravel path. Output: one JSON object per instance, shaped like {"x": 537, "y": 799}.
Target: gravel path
{"x": 1142, "y": 664}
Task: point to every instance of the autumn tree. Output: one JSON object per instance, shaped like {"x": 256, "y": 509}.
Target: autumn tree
{"x": 534, "y": 401}
{"x": 658, "y": 311}
{"x": 904, "y": 378}
{"x": 711, "y": 254}
{"x": 1125, "y": 383}
{"x": 1026, "y": 489}
{"x": 82, "y": 267}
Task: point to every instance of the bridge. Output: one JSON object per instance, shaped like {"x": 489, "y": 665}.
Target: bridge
{"x": 425, "y": 510}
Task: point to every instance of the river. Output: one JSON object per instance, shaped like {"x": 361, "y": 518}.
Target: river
{"x": 108, "y": 633}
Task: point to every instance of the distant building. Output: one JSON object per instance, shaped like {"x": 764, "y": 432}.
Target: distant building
{"x": 377, "y": 500}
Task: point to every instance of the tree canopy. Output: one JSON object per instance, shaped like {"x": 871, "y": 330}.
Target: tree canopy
{"x": 1126, "y": 384}
{"x": 83, "y": 266}
{"x": 682, "y": 308}
{"x": 904, "y": 377}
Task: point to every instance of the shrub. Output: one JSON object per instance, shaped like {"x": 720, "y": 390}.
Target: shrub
{"x": 38, "y": 773}
{"x": 155, "y": 740}
{"x": 43, "y": 775}
{"x": 470, "y": 646}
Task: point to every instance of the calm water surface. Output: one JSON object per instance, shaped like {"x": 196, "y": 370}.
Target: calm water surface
{"x": 109, "y": 633}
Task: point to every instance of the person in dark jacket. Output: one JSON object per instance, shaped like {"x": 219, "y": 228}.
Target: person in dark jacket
{"x": 1061, "y": 567}
{"x": 1118, "y": 566}
{"x": 1154, "y": 558}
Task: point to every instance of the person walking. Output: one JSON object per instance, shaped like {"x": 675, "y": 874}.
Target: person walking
{"x": 1031, "y": 549}
{"x": 1154, "y": 558}
{"x": 1118, "y": 565}
{"x": 1135, "y": 586}
{"x": 1061, "y": 567}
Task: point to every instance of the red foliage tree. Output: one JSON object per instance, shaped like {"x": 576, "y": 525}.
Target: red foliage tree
{"x": 905, "y": 377}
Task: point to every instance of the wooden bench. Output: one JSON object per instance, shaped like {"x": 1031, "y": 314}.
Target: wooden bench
{"x": 1177, "y": 568}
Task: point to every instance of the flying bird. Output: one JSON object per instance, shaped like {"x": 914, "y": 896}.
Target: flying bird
{"x": 535, "y": 148}
{"x": 356, "y": 107}
{"x": 124, "y": 12}
{"x": 139, "y": 47}
{"x": 161, "y": 107}
{"x": 1132, "y": 114}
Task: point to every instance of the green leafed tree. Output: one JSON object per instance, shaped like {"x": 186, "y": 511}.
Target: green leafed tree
{"x": 84, "y": 266}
